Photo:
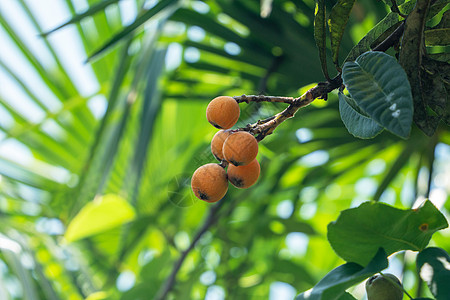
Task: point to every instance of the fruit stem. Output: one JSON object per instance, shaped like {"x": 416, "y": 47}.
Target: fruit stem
{"x": 223, "y": 163}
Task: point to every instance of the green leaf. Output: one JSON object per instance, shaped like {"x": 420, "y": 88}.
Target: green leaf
{"x": 101, "y": 295}
{"x": 437, "y": 7}
{"x": 377, "y": 33}
{"x": 12, "y": 256}
{"x": 356, "y": 123}
{"x": 160, "y": 6}
{"x": 359, "y": 232}
{"x": 346, "y": 296}
{"x": 380, "y": 87}
{"x": 151, "y": 280}
{"x": 433, "y": 265}
{"x": 320, "y": 34}
{"x": 95, "y": 8}
{"x": 101, "y": 214}
{"x": 210, "y": 25}
{"x": 27, "y": 176}
{"x": 437, "y": 37}
{"x": 380, "y": 31}
{"x": 301, "y": 274}
{"x": 442, "y": 57}
{"x": 395, "y": 168}
{"x": 150, "y": 108}
{"x": 338, "y": 21}
{"x": 334, "y": 284}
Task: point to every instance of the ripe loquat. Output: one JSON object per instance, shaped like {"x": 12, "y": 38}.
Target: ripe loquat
{"x": 244, "y": 176}
{"x": 209, "y": 182}
{"x": 240, "y": 148}
{"x": 217, "y": 143}
{"x": 223, "y": 112}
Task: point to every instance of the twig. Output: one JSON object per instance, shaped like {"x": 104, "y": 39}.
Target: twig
{"x": 210, "y": 220}
{"x": 263, "y": 128}
{"x": 262, "y": 98}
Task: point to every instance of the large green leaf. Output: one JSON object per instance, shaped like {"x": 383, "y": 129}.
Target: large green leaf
{"x": 380, "y": 87}
{"x": 357, "y": 123}
{"x": 334, "y": 284}
{"x": 338, "y": 21}
{"x": 103, "y": 213}
{"x": 433, "y": 265}
{"x": 359, "y": 232}
{"x": 320, "y": 34}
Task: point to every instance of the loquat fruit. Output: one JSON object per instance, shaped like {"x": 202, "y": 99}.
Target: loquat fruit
{"x": 217, "y": 143}
{"x": 223, "y": 112}
{"x": 244, "y": 176}
{"x": 209, "y": 182}
{"x": 240, "y": 148}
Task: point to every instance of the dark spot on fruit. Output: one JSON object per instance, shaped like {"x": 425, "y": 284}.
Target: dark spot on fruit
{"x": 215, "y": 125}
{"x": 237, "y": 182}
{"x": 203, "y": 196}
{"x": 236, "y": 163}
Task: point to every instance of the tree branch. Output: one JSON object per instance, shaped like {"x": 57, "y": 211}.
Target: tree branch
{"x": 263, "y": 128}
{"x": 210, "y": 220}
{"x": 262, "y": 98}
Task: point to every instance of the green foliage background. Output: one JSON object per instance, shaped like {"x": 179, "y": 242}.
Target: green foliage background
{"x": 153, "y": 135}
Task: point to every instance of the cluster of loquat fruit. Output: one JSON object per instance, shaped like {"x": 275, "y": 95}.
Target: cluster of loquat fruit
{"x": 235, "y": 149}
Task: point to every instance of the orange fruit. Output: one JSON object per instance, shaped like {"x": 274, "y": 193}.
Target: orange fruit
{"x": 209, "y": 182}
{"x": 240, "y": 148}
{"x": 223, "y": 112}
{"x": 244, "y": 176}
